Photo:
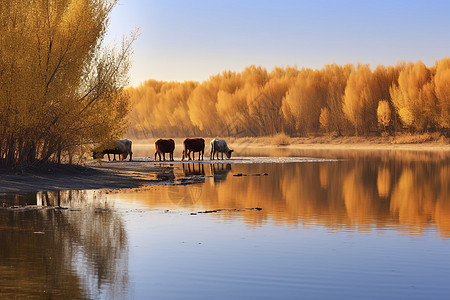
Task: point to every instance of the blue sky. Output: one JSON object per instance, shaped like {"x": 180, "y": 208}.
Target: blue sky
{"x": 192, "y": 40}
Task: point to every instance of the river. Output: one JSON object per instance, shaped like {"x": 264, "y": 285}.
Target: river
{"x": 340, "y": 225}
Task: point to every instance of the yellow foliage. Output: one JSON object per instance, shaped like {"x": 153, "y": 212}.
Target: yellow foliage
{"x": 159, "y": 107}
{"x": 202, "y": 108}
{"x": 59, "y": 89}
{"x": 255, "y": 102}
{"x": 325, "y": 118}
{"x": 304, "y": 100}
{"x": 384, "y": 113}
{"x": 414, "y": 97}
{"x": 361, "y": 99}
{"x": 442, "y": 88}
{"x": 336, "y": 78}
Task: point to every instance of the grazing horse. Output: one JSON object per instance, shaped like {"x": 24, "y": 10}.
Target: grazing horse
{"x": 193, "y": 145}
{"x": 121, "y": 147}
{"x": 219, "y": 146}
{"x": 163, "y": 146}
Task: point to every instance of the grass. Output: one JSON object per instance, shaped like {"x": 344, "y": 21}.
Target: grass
{"x": 279, "y": 139}
{"x": 420, "y": 138}
{"x": 282, "y": 139}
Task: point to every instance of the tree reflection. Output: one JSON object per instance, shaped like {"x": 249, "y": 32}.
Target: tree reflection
{"x": 413, "y": 200}
{"x": 364, "y": 192}
{"x": 383, "y": 182}
{"x": 77, "y": 254}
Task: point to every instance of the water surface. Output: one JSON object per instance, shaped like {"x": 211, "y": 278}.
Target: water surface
{"x": 364, "y": 226}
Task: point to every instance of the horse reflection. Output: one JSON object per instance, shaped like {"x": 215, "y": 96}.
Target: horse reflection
{"x": 220, "y": 172}
{"x": 193, "y": 170}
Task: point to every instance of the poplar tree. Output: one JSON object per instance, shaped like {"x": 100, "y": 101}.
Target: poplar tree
{"x": 384, "y": 114}
{"x": 414, "y": 98}
{"x": 442, "y": 88}
{"x": 60, "y": 88}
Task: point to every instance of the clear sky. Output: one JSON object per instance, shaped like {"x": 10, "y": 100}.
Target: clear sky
{"x": 194, "y": 39}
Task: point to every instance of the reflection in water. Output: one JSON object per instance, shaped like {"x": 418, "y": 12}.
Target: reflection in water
{"x": 192, "y": 169}
{"x": 220, "y": 172}
{"x": 57, "y": 253}
{"x": 85, "y": 251}
{"x": 369, "y": 192}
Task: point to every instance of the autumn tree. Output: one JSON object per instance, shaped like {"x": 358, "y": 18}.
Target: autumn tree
{"x": 231, "y": 102}
{"x": 202, "y": 108}
{"x": 361, "y": 99}
{"x": 143, "y": 100}
{"x": 324, "y": 118}
{"x": 384, "y": 114}
{"x": 160, "y": 108}
{"x": 254, "y": 108}
{"x": 60, "y": 89}
{"x": 442, "y": 89}
{"x": 414, "y": 98}
{"x": 336, "y": 80}
{"x": 303, "y": 101}
{"x": 265, "y": 108}
{"x": 343, "y": 99}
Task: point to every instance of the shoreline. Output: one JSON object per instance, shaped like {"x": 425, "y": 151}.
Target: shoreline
{"x": 416, "y": 142}
{"x": 73, "y": 177}
{"x": 145, "y": 171}
{"x": 361, "y": 146}
{"x": 402, "y": 142}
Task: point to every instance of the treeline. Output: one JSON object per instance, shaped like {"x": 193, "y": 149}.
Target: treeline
{"x": 60, "y": 89}
{"x": 339, "y": 100}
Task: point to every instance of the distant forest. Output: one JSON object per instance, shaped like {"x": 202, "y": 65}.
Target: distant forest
{"x": 337, "y": 100}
